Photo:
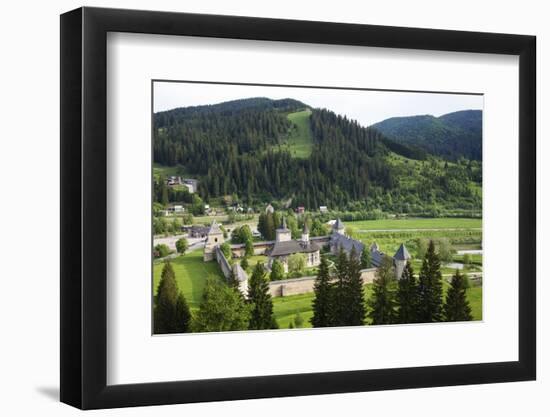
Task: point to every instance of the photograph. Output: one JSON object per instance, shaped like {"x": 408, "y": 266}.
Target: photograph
{"x": 296, "y": 207}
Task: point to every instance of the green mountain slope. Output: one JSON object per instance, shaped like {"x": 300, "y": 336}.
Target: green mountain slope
{"x": 450, "y": 136}
{"x": 260, "y": 150}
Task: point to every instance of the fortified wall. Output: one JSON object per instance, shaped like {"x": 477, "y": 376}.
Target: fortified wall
{"x": 284, "y": 287}
{"x": 303, "y": 285}
{"x": 238, "y": 272}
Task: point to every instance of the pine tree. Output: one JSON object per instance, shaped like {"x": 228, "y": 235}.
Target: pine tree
{"x": 407, "y": 296}
{"x": 183, "y": 314}
{"x": 338, "y": 309}
{"x": 168, "y": 317}
{"x": 269, "y": 227}
{"x": 430, "y": 288}
{"x": 261, "y": 315}
{"x": 366, "y": 261}
{"x": 262, "y": 223}
{"x": 354, "y": 291}
{"x": 457, "y": 307}
{"x": 244, "y": 263}
{"x": 382, "y": 304}
{"x": 277, "y": 271}
{"x": 322, "y": 298}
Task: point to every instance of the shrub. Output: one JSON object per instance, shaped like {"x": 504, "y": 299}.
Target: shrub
{"x": 182, "y": 245}
{"x": 297, "y": 262}
{"x": 161, "y": 251}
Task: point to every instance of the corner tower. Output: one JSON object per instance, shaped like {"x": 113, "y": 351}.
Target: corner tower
{"x": 213, "y": 239}
{"x": 400, "y": 260}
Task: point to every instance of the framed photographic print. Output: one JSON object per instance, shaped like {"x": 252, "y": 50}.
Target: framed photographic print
{"x": 257, "y": 208}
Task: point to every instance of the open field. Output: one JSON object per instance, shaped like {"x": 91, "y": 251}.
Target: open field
{"x": 191, "y": 273}
{"x": 416, "y": 224}
{"x": 389, "y": 241}
{"x": 300, "y": 141}
{"x": 462, "y": 233}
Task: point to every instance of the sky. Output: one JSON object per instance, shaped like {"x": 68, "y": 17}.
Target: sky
{"x": 365, "y": 106}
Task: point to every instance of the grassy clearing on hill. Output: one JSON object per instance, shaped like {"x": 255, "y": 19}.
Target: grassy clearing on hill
{"x": 168, "y": 171}
{"x": 191, "y": 273}
{"x": 300, "y": 141}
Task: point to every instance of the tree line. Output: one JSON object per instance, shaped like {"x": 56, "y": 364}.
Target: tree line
{"x": 339, "y": 298}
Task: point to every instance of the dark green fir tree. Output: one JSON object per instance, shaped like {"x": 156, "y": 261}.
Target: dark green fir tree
{"x": 171, "y": 313}
{"x": 355, "y": 313}
{"x": 382, "y": 303}
{"x": 430, "y": 288}
{"x": 259, "y": 298}
{"x": 322, "y": 296}
{"x": 339, "y": 299}
{"x": 366, "y": 261}
{"x": 456, "y": 306}
{"x": 407, "y": 296}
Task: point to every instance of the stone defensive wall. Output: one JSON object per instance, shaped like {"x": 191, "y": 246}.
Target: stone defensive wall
{"x": 303, "y": 285}
{"x": 240, "y": 273}
{"x": 292, "y": 286}
{"x": 223, "y": 262}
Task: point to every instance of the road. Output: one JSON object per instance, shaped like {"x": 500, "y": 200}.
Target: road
{"x": 470, "y": 252}
{"x": 170, "y": 241}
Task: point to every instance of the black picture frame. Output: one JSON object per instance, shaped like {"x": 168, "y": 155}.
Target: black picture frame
{"x": 84, "y": 207}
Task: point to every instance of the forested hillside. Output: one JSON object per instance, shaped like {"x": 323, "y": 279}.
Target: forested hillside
{"x": 450, "y": 136}
{"x": 249, "y": 148}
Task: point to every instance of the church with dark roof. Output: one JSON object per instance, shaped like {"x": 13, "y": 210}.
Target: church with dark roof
{"x": 285, "y": 246}
{"x": 339, "y": 240}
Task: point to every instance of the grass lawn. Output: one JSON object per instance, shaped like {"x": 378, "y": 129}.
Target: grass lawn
{"x": 285, "y": 308}
{"x": 300, "y": 140}
{"x": 253, "y": 260}
{"x": 416, "y": 223}
{"x": 191, "y": 273}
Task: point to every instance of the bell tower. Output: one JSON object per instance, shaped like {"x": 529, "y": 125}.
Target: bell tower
{"x": 283, "y": 233}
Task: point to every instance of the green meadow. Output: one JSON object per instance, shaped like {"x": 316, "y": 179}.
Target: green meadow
{"x": 300, "y": 141}
{"x": 191, "y": 273}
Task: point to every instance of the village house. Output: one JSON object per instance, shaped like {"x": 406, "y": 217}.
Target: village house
{"x": 285, "y": 246}
{"x": 191, "y": 184}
